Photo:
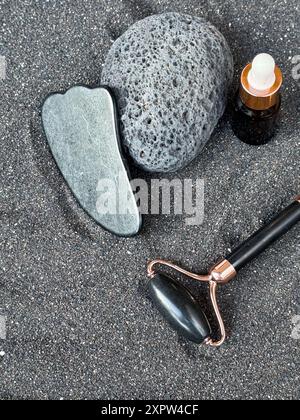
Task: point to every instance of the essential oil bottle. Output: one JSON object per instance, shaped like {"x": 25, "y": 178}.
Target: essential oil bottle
{"x": 257, "y": 106}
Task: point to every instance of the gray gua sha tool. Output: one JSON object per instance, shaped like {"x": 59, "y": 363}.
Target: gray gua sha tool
{"x": 82, "y": 132}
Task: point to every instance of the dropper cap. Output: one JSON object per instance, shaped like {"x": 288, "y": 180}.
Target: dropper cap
{"x": 262, "y": 74}
{"x": 260, "y": 83}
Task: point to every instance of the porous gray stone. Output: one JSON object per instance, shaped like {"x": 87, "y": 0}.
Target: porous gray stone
{"x": 171, "y": 74}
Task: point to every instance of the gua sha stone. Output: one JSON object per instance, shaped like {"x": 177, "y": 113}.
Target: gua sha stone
{"x": 81, "y": 128}
{"x": 171, "y": 74}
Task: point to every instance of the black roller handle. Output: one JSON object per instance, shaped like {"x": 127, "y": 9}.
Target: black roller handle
{"x": 266, "y": 236}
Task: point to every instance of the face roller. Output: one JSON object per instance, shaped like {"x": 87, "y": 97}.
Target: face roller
{"x": 179, "y": 306}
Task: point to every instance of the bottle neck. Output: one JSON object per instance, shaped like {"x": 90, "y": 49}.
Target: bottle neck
{"x": 260, "y": 100}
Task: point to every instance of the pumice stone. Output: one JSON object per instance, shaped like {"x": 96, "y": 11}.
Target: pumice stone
{"x": 171, "y": 74}
{"x": 82, "y": 132}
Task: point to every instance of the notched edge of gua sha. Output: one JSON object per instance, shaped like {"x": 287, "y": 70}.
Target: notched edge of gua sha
{"x": 122, "y": 159}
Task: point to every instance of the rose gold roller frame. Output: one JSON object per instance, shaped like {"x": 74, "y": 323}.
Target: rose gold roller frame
{"x": 220, "y": 274}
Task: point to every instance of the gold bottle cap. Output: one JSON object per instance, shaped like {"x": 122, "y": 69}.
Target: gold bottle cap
{"x": 260, "y": 100}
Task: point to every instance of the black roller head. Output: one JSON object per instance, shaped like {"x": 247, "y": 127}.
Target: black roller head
{"x": 180, "y": 308}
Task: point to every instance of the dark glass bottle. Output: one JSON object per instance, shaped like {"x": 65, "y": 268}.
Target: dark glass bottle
{"x": 255, "y": 127}
{"x": 258, "y": 102}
